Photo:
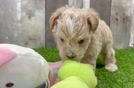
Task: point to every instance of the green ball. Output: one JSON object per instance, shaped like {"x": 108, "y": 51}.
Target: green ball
{"x": 70, "y": 82}
{"x": 83, "y": 71}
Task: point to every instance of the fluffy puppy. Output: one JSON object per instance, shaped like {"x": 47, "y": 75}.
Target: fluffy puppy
{"x": 81, "y": 35}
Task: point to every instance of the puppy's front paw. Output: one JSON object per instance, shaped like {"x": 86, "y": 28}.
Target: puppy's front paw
{"x": 111, "y": 67}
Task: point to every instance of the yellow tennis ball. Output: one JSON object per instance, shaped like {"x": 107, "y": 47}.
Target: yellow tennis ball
{"x": 83, "y": 71}
{"x": 70, "y": 82}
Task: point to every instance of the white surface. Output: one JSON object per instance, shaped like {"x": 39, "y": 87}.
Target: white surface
{"x": 27, "y": 70}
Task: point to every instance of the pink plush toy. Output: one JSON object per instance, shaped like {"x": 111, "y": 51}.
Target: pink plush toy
{"x": 53, "y": 74}
{"x": 22, "y": 67}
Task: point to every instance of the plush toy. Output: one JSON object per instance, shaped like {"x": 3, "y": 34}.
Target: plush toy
{"x": 53, "y": 72}
{"x": 22, "y": 67}
{"x": 83, "y": 72}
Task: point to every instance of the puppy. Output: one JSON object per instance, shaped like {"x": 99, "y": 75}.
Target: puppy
{"x": 81, "y": 35}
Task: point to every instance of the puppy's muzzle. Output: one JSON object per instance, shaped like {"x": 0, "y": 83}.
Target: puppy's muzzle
{"x": 70, "y": 55}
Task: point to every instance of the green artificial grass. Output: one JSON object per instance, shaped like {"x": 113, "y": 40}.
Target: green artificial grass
{"x": 50, "y": 54}
{"x": 123, "y": 78}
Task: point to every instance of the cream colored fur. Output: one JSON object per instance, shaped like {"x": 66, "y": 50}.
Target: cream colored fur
{"x": 81, "y": 35}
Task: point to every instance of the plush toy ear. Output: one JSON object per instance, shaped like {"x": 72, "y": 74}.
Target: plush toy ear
{"x": 55, "y": 16}
{"x": 6, "y": 55}
{"x": 92, "y": 19}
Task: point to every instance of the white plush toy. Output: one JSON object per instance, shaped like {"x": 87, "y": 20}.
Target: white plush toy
{"x": 22, "y": 67}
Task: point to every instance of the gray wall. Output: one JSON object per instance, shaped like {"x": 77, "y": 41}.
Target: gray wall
{"x": 103, "y": 7}
{"x": 51, "y": 6}
{"x": 9, "y": 28}
{"x": 22, "y": 22}
{"x": 26, "y": 22}
{"x": 121, "y": 22}
{"x": 131, "y": 44}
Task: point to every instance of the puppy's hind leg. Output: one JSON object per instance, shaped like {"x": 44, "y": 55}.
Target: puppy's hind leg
{"x": 110, "y": 60}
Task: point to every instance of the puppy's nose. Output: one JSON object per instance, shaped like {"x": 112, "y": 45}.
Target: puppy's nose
{"x": 71, "y": 55}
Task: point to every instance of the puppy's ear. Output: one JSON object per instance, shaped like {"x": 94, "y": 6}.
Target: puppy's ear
{"x": 55, "y": 16}
{"x": 92, "y": 19}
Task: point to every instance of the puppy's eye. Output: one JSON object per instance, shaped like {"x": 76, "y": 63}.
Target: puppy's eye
{"x": 61, "y": 39}
{"x": 81, "y": 41}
